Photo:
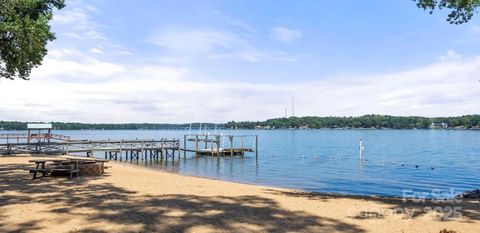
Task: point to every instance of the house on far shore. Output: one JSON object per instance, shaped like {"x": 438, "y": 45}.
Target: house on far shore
{"x": 441, "y": 125}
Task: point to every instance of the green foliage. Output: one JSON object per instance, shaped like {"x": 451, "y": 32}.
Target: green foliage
{"x": 15, "y": 125}
{"x": 367, "y": 121}
{"x": 24, "y": 33}
{"x": 461, "y": 11}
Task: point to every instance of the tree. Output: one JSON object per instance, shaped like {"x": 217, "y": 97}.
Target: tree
{"x": 461, "y": 10}
{"x": 24, "y": 33}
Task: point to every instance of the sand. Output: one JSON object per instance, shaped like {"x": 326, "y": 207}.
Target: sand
{"x": 130, "y": 198}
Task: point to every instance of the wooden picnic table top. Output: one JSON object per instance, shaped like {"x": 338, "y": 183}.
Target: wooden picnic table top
{"x": 67, "y": 161}
{"x": 45, "y": 160}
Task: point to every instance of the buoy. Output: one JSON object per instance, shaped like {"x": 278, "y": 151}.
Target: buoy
{"x": 403, "y": 164}
{"x": 360, "y": 149}
{"x": 416, "y": 166}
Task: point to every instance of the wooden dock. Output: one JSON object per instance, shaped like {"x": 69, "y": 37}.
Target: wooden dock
{"x": 214, "y": 144}
{"x": 112, "y": 149}
{"x": 138, "y": 149}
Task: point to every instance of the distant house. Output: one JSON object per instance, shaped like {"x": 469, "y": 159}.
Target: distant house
{"x": 439, "y": 125}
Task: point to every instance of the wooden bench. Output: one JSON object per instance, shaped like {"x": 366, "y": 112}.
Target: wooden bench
{"x": 44, "y": 171}
{"x": 71, "y": 168}
{"x": 69, "y": 171}
{"x": 62, "y": 166}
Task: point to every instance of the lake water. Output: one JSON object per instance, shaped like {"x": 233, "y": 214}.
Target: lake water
{"x": 327, "y": 160}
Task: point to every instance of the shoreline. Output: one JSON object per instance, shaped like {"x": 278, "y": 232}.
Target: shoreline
{"x": 336, "y": 194}
{"x": 130, "y": 198}
{"x": 333, "y": 194}
{"x": 259, "y": 129}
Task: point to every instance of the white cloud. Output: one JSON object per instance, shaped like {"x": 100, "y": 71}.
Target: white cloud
{"x": 450, "y": 55}
{"x": 77, "y": 21}
{"x": 197, "y": 41}
{"x": 73, "y": 86}
{"x": 96, "y": 50}
{"x": 285, "y": 34}
{"x": 214, "y": 43}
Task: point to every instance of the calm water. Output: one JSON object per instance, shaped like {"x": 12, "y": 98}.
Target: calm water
{"x": 327, "y": 160}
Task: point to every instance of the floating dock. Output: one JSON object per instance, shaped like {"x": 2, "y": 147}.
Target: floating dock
{"x": 214, "y": 144}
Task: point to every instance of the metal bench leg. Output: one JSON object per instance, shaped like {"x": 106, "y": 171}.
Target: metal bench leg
{"x": 34, "y": 175}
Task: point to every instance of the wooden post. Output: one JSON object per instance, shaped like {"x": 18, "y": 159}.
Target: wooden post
{"x": 67, "y": 149}
{"x": 141, "y": 151}
{"x": 196, "y": 143}
{"x": 211, "y": 147}
{"x": 120, "y": 151}
{"x": 206, "y": 141}
{"x": 92, "y": 150}
{"x": 49, "y": 135}
{"x": 217, "y": 137}
{"x": 231, "y": 145}
{"x": 179, "y": 149}
{"x": 185, "y": 145}
{"x": 256, "y": 147}
{"x": 161, "y": 146}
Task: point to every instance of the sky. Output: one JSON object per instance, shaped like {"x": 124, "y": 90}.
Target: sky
{"x": 117, "y": 61}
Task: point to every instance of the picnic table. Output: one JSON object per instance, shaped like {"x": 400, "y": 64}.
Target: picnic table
{"x": 69, "y": 167}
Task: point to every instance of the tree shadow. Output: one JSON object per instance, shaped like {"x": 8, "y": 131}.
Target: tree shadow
{"x": 108, "y": 205}
{"x": 443, "y": 210}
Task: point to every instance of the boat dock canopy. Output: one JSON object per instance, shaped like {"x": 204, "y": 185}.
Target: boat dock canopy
{"x": 39, "y": 126}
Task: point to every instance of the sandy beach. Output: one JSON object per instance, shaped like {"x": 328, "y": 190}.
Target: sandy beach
{"x": 129, "y": 198}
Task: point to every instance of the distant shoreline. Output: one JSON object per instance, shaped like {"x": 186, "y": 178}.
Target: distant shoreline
{"x": 307, "y": 122}
{"x": 278, "y": 129}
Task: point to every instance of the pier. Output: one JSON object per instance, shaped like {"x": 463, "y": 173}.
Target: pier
{"x": 39, "y": 139}
{"x": 133, "y": 150}
{"x": 112, "y": 149}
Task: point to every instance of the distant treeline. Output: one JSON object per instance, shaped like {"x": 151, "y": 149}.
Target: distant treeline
{"x": 14, "y": 125}
{"x": 367, "y": 121}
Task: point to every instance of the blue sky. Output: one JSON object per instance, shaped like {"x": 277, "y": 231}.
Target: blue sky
{"x": 181, "y": 61}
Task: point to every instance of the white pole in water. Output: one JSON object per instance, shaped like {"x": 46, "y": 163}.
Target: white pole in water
{"x": 190, "y": 129}
{"x": 360, "y": 150}
{"x": 200, "y": 129}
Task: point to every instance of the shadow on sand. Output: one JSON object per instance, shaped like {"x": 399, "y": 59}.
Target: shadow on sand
{"x": 110, "y": 205}
{"x": 443, "y": 210}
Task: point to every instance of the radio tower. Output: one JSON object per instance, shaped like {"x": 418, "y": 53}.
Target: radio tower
{"x": 293, "y": 108}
